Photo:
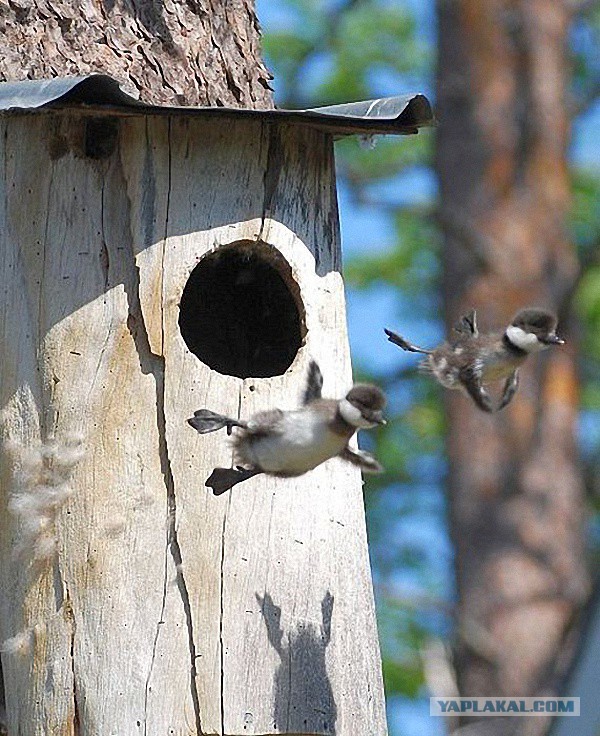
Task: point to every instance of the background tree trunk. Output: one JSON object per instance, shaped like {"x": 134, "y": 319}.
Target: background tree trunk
{"x": 516, "y": 492}
{"x": 177, "y": 52}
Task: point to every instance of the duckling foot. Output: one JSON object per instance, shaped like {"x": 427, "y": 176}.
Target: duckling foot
{"x": 205, "y": 421}
{"x": 404, "y": 344}
{"x": 510, "y": 389}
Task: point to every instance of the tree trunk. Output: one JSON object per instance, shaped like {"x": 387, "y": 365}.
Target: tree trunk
{"x": 516, "y": 491}
{"x": 133, "y": 600}
{"x": 176, "y": 52}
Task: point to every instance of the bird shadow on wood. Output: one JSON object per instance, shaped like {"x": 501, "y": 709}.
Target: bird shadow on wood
{"x": 302, "y": 694}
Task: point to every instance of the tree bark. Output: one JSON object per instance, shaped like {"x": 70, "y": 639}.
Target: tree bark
{"x": 177, "y": 52}
{"x": 516, "y": 490}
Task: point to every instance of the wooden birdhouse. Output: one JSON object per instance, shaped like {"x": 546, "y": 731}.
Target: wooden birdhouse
{"x": 154, "y": 261}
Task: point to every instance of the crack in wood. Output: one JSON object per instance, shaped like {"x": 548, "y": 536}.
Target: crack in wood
{"x": 185, "y": 597}
{"x": 104, "y": 257}
{"x": 154, "y": 365}
{"x": 70, "y": 618}
{"x": 156, "y": 635}
{"x": 221, "y": 596}
{"x": 221, "y": 610}
{"x": 289, "y": 683}
{"x": 41, "y": 282}
{"x": 275, "y": 157}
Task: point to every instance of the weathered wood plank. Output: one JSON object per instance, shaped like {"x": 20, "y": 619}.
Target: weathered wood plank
{"x": 297, "y": 574}
{"x": 110, "y": 572}
{"x": 28, "y": 614}
{"x": 165, "y": 609}
{"x": 213, "y": 188}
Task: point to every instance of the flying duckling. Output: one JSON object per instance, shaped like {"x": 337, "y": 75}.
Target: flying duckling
{"x": 470, "y": 359}
{"x": 290, "y": 443}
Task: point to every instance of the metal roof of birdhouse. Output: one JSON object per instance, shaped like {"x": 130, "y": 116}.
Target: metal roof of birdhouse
{"x": 101, "y": 94}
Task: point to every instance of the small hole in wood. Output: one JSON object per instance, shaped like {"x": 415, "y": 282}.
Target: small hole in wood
{"x": 101, "y": 136}
{"x": 241, "y": 312}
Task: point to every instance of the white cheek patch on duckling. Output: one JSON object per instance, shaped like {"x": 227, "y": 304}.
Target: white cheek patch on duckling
{"x": 523, "y": 340}
{"x": 352, "y": 415}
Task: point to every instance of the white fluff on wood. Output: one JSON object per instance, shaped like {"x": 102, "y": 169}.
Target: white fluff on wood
{"x": 41, "y": 487}
{"x": 20, "y": 644}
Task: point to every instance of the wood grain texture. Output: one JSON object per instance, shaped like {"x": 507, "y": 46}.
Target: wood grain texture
{"x": 164, "y": 609}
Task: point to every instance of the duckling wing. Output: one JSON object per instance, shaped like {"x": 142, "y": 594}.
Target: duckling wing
{"x": 467, "y": 324}
{"x": 314, "y": 384}
{"x": 266, "y": 423}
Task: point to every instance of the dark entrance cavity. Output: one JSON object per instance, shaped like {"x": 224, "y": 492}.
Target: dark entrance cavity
{"x": 241, "y": 311}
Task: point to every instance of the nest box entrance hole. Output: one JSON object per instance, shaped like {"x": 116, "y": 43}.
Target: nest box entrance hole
{"x": 241, "y": 311}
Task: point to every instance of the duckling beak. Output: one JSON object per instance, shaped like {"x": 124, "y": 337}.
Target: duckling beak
{"x": 553, "y": 339}
{"x": 378, "y": 418}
